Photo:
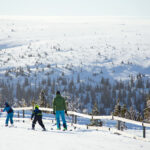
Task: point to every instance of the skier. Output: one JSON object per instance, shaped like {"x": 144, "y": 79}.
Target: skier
{"x": 10, "y": 113}
{"x": 59, "y": 108}
{"x": 37, "y": 114}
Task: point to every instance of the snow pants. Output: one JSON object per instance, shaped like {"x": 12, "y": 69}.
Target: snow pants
{"x": 39, "y": 119}
{"x": 9, "y": 117}
{"x": 62, "y": 114}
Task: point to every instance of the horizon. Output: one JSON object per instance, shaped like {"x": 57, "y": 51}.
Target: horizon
{"x": 83, "y": 19}
{"x": 139, "y": 8}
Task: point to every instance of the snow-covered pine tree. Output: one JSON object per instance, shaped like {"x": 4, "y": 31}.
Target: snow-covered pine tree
{"x": 42, "y": 99}
{"x": 23, "y": 103}
{"x": 117, "y": 110}
{"x": 123, "y": 110}
{"x": 139, "y": 117}
{"x": 95, "y": 112}
{"x": 120, "y": 111}
{"x": 122, "y": 114}
{"x": 74, "y": 104}
{"x": 127, "y": 115}
{"x": 132, "y": 113}
{"x": 147, "y": 110}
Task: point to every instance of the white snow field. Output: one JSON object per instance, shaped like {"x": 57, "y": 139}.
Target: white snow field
{"x": 118, "y": 46}
{"x": 20, "y": 137}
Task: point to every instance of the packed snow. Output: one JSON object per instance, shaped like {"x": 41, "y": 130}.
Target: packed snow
{"x": 22, "y": 137}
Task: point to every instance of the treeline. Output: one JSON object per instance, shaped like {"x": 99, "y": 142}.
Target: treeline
{"x": 81, "y": 95}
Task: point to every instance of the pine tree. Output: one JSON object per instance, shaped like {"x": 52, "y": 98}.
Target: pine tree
{"x": 139, "y": 117}
{"x": 117, "y": 109}
{"x": 147, "y": 110}
{"x": 22, "y": 103}
{"x": 53, "y": 87}
{"x": 42, "y": 99}
{"x": 127, "y": 115}
{"x": 132, "y": 113}
{"x": 95, "y": 112}
{"x": 49, "y": 81}
{"x": 26, "y": 82}
{"x": 147, "y": 84}
{"x": 123, "y": 111}
{"x": 132, "y": 81}
{"x": 87, "y": 99}
{"x": 114, "y": 93}
{"x": 78, "y": 78}
{"x": 139, "y": 83}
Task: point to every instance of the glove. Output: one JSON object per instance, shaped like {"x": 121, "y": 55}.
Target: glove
{"x": 66, "y": 112}
{"x": 54, "y": 112}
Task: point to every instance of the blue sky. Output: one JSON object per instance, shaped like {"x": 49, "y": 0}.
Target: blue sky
{"x": 75, "y": 7}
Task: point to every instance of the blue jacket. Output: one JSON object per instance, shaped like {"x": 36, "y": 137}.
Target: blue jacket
{"x": 36, "y": 113}
{"x": 8, "y": 109}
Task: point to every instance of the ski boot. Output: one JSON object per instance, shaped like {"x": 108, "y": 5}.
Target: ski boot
{"x": 64, "y": 129}
{"x": 44, "y": 129}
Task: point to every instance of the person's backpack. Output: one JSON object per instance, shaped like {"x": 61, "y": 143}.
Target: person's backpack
{"x": 10, "y": 110}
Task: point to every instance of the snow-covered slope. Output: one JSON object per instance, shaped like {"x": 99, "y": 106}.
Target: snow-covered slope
{"x": 72, "y": 53}
{"x": 20, "y": 137}
{"x": 117, "y": 46}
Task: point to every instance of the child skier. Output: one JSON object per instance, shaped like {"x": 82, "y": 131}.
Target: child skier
{"x": 10, "y": 112}
{"x": 59, "y": 108}
{"x": 37, "y": 114}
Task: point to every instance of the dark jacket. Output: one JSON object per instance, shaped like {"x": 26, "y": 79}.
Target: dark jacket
{"x": 36, "y": 113}
{"x": 59, "y": 103}
{"x": 8, "y": 109}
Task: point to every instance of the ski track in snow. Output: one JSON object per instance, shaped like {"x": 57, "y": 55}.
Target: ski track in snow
{"x": 22, "y": 138}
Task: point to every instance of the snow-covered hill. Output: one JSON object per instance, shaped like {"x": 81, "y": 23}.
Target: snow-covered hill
{"x": 117, "y": 46}
{"x": 55, "y": 52}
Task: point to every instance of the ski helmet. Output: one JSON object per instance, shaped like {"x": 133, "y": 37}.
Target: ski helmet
{"x": 37, "y": 106}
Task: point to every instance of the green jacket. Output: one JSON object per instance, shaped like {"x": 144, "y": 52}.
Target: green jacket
{"x": 59, "y": 103}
